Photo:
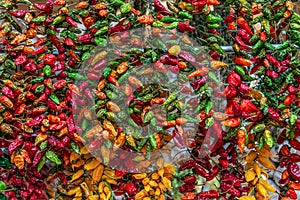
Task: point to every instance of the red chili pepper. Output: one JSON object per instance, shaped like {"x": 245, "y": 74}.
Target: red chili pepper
{"x": 19, "y": 13}
{"x": 294, "y": 158}
{"x": 231, "y": 179}
{"x": 21, "y": 59}
{"x": 234, "y": 79}
{"x": 208, "y": 194}
{"x": 244, "y": 25}
{"x": 71, "y": 21}
{"x": 8, "y": 92}
{"x": 159, "y": 7}
{"x": 241, "y": 43}
{"x": 186, "y": 188}
{"x": 14, "y": 145}
{"x": 225, "y": 187}
{"x": 190, "y": 179}
{"x": 37, "y": 120}
{"x": 187, "y": 165}
{"x": 244, "y": 35}
{"x": 120, "y": 27}
{"x": 85, "y": 38}
{"x": 295, "y": 144}
{"x": 199, "y": 3}
{"x": 169, "y": 60}
{"x": 289, "y": 99}
{"x": 273, "y": 60}
{"x": 130, "y": 188}
{"x": 50, "y": 59}
{"x": 243, "y": 88}
{"x": 47, "y": 7}
{"x": 229, "y": 18}
{"x": 263, "y": 36}
{"x": 230, "y": 92}
{"x": 214, "y": 31}
{"x": 184, "y": 27}
{"x": 273, "y": 114}
{"x": 291, "y": 194}
{"x": 186, "y": 56}
{"x": 37, "y": 157}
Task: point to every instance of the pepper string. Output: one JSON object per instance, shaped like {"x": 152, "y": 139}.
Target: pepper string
{"x": 42, "y": 151}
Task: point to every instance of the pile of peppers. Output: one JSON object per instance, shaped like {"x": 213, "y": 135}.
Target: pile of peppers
{"x": 71, "y": 108}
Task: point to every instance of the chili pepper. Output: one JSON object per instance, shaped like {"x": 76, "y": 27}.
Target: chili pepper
{"x": 208, "y": 194}
{"x": 291, "y": 194}
{"x": 159, "y": 7}
{"x": 173, "y": 25}
{"x": 242, "y": 61}
{"x": 244, "y": 25}
{"x": 184, "y": 27}
{"x": 210, "y": 18}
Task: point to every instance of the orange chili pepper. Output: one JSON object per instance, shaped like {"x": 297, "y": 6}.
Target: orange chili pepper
{"x": 82, "y": 5}
{"x": 199, "y": 72}
{"x": 213, "y": 2}
{"x": 146, "y": 19}
{"x": 242, "y": 61}
{"x": 103, "y": 13}
{"x": 233, "y": 122}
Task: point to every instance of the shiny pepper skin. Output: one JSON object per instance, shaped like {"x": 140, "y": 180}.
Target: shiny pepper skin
{"x": 294, "y": 171}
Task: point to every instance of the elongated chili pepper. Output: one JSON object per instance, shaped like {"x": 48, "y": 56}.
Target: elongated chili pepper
{"x": 244, "y": 25}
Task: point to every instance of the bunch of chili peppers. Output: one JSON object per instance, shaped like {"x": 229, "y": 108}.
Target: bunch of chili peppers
{"x": 62, "y": 106}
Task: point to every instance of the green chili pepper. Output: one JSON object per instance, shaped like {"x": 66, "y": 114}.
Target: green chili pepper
{"x": 77, "y": 76}
{"x": 39, "y": 19}
{"x": 10, "y": 64}
{"x": 132, "y": 123}
{"x": 259, "y": 128}
{"x": 240, "y": 70}
{"x": 99, "y": 24}
{"x": 152, "y": 140}
{"x": 142, "y": 144}
{"x": 47, "y": 70}
{"x": 215, "y": 47}
{"x": 102, "y": 42}
{"x": 169, "y": 19}
{"x": 289, "y": 78}
{"x": 170, "y": 107}
{"x": 213, "y": 25}
{"x": 293, "y": 118}
{"x": 53, "y": 157}
{"x": 213, "y": 77}
{"x": 256, "y": 20}
{"x": 44, "y": 145}
{"x": 72, "y": 35}
{"x": 171, "y": 97}
{"x": 269, "y": 46}
{"x": 160, "y": 44}
{"x": 258, "y": 46}
{"x": 102, "y": 31}
{"x": 37, "y": 79}
{"x": 203, "y": 88}
{"x": 2, "y": 186}
{"x": 283, "y": 45}
{"x": 157, "y": 24}
{"x": 267, "y": 13}
{"x": 210, "y": 18}
{"x": 184, "y": 15}
{"x": 209, "y": 122}
{"x": 40, "y": 89}
{"x": 173, "y": 25}
{"x": 172, "y": 116}
{"x": 41, "y": 163}
{"x": 125, "y": 8}
{"x": 106, "y": 72}
{"x": 268, "y": 139}
{"x": 54, "y": 98}
{"x": 85, "y": 56}
{"x": 261, "y": 143}
{"x": 208, "y": 107}
{"x": 295, "y": 17}
{"x": 262, "y": 53}
{"x": 116, "y": 2}
{"x": 58, "y": 20}
{"x": 254, "y": 39}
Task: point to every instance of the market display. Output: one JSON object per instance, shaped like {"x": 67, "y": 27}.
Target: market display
{"x": 108, "y": 99}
